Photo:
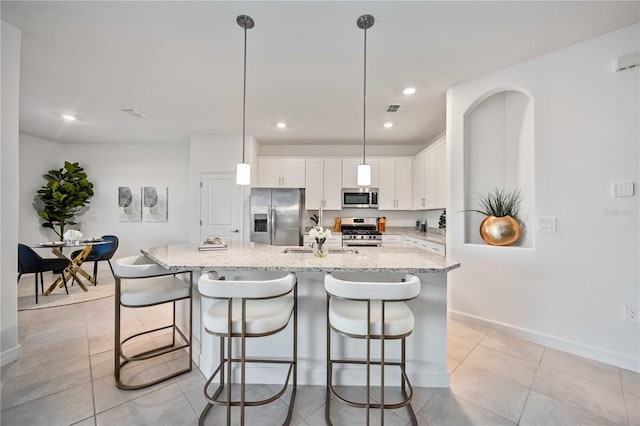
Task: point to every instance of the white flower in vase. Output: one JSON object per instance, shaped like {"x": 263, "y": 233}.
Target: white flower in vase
{"x": 320, "y": 235}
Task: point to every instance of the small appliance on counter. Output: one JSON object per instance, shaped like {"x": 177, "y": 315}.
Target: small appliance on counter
{"x": 423, "y": 226}
{"x": 418, "y": 223}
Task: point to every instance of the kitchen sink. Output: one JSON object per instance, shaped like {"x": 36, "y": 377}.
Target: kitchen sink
{"x": 301, "y": 250}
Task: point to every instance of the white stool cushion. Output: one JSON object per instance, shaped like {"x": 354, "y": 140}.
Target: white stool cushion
{"x": 152, "y": 291}
{"x": 210, "y": 286}
{"x": 263, "y": 316}
{"x": 138, "y": 267}
{"x": 373, "y": 289}
{"x": 350, "y": 316}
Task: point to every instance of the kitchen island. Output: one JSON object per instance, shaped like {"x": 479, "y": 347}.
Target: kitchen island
{"x": 426, "y": 348}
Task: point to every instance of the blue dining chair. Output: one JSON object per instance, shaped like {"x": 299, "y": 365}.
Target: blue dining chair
{"x": 101, "y": 252}
{"x": 30, "y": 262}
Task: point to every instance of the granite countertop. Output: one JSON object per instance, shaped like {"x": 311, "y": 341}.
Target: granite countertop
{"x": 253, "y": 256}
{"x": 434, "y": 237}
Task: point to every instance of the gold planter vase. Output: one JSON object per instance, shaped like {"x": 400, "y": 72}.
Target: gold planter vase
{"x": 500, "y": 231}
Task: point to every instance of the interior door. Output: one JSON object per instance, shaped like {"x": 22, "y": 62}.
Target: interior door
{"x": 220, "y": 207}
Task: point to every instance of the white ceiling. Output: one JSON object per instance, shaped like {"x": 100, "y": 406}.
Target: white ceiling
{"x": 180, "y": 63}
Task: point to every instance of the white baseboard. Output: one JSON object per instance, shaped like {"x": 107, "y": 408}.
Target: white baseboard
{"x": 554, "y": 342}
{"x": 10, "y": 355}
{"x": 195, "y": 350}
{"x": 204, "y": 365}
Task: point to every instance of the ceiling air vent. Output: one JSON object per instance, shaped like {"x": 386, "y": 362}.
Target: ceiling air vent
{"x": 393, "y": 107}
{"x": 134, "y": 113}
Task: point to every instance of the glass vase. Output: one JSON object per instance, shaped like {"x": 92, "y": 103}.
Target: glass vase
{"x": 320, "y": 250}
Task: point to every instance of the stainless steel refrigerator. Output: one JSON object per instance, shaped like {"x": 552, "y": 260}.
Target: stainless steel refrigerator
{"x": 276, "y": 216}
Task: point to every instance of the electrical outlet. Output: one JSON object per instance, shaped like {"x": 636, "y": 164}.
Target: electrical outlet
{"x": 632, "y": 313}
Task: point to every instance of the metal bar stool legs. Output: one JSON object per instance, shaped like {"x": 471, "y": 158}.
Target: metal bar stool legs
{"x": 151, "y": 285}
{"x": 220, "y": 320}
{"x": 349, "y": 315}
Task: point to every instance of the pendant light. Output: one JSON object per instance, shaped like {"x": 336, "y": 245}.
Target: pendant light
{"x": 364, "y": 170}
{"x": 243, "y": 170}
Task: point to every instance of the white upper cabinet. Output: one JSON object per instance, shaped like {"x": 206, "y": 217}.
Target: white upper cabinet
{"x": 284, "y": 173}
{"x": 395, "y": 184}
{"x": 442, "y": 186}
{"x": 418, "y": 183}
{"x": 323, "y": 184}
{"x": 429, "y": 178}
{"x": 269, "y": 172}
{"x": 350, "y": 172}
{"x": 430, "y": 190}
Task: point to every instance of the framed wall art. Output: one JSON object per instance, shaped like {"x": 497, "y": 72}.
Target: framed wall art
{"x": 130, "y": 203}
{"x": 155, "y": 203}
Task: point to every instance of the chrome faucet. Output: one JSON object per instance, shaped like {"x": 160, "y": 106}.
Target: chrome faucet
{"x": 320, "y": 216}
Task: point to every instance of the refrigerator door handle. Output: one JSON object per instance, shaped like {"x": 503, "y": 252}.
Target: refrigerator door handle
{"x": 273, "y": 225}
{"x": 269, "y": 225}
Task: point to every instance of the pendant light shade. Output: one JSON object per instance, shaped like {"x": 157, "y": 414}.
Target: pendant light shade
{"x": 364, "y": 175}
{"x": 243, "y": 174}
{"x": 243, "y": 170}
{"x": 364, "y": 170}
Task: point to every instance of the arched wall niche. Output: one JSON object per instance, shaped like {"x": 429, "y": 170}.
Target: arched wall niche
{"x": 499, "y": 153}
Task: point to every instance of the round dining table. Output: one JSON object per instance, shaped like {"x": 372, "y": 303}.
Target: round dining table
{"x": 74, "y": 270}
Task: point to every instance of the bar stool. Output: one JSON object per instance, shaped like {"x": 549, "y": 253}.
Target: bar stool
{"x": 149, "y": 284}
{"x": 245, "y": 308}
{"x": 358, "y": 310}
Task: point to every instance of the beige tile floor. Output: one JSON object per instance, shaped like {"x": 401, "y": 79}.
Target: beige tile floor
{"x": 65, "y": 376}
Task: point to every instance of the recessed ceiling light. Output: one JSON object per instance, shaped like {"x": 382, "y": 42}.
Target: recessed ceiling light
{"x": 69, "y": 117}
{"x": 409, "y": 90}
{"x": 281, "y": 125}
{"x": 388, "y": 125}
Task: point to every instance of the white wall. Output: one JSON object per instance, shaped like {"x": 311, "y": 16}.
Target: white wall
{"x": 10, "y": 75}
{"x": 569, "y": 290}
{"x": 499, "y": 151}
{"x": 108, "y": 167}
{"x": 37, "y": 156}
{"x": 216, "y": 153}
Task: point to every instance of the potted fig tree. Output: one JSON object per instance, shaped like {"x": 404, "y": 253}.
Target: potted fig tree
{"x": 65, "y": 194}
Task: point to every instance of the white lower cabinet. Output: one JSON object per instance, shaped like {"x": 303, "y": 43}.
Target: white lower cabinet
{"x": 429, "y": 246}
{"x": 392, "y": 241}
{"x": 334, "y": 241}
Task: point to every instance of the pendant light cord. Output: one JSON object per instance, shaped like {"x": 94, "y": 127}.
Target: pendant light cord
{"x": 244, "y": 94}
{"x": 364, "y": 108}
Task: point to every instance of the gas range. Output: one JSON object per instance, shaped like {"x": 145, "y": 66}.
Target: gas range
{"x": 360, "y": 231}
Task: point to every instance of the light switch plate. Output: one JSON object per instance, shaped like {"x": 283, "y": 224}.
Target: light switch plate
{"x": 623, "y": 189}
{"x": 547, "y": 223}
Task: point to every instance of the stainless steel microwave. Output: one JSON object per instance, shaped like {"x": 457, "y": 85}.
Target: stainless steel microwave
{"x": 361, "y": 198}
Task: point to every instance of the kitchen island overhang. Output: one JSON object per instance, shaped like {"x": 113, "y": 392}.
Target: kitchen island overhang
{"x": 426, "y": 348}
